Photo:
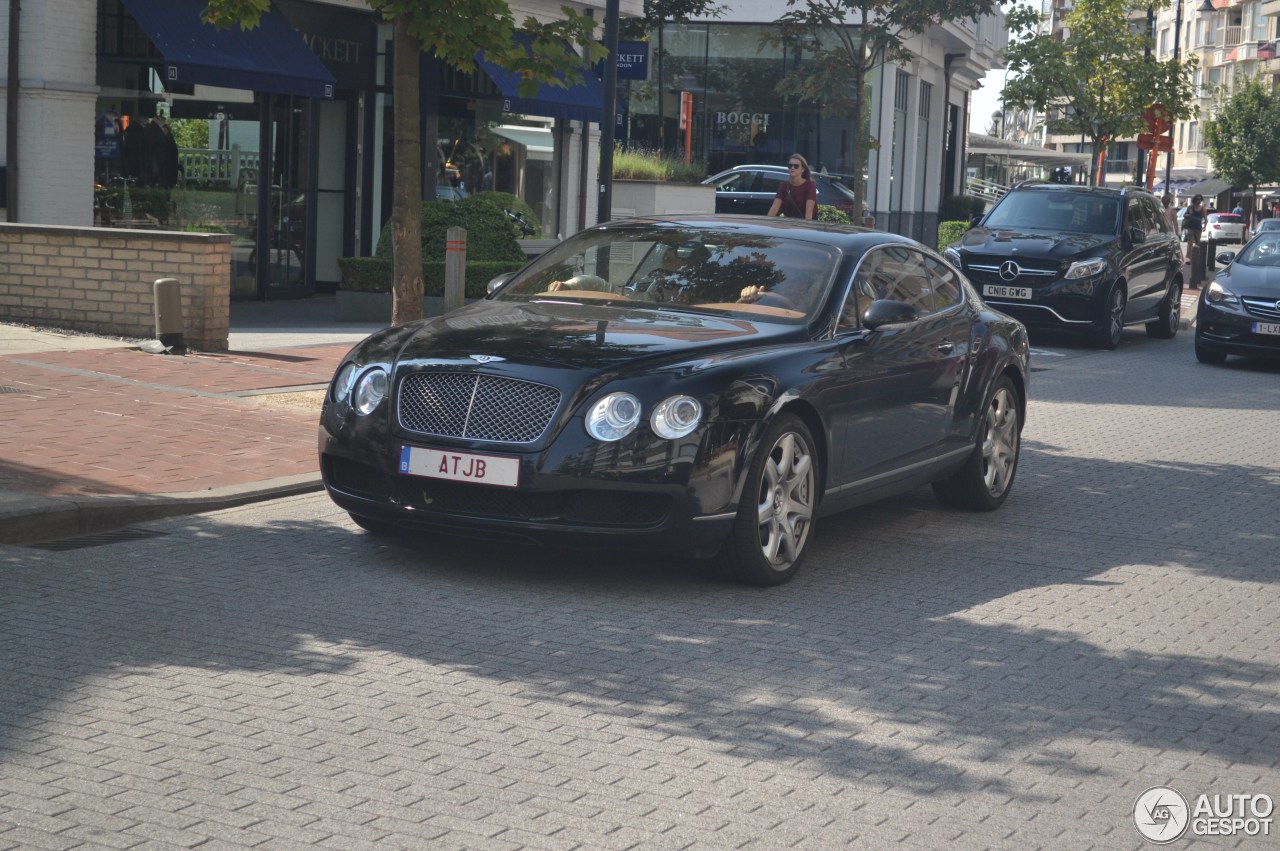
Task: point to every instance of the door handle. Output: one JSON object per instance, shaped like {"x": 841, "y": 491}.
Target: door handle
{"x": 946, "y": 347}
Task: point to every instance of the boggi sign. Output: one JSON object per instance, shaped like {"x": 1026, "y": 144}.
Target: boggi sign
{"x": 742, "y": 119}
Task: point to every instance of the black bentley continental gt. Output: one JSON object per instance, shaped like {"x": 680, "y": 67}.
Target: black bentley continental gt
{"x": 706, "y": 386}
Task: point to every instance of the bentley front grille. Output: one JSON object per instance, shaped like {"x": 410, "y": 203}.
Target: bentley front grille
{"x": 476, "y": 407}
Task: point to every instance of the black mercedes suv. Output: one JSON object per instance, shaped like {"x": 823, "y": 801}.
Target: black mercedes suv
{"x": 1083, "y": 258}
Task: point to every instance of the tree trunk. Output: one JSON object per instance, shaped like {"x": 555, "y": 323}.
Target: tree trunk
{"x": 856, "y": 119}
{"x": 406, "y": 205}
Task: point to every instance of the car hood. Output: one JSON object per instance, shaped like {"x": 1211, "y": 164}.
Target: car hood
{"x": 1032, "y": 242}
{"x": 1260, "y": 281}
{"x": 580, "y": 337}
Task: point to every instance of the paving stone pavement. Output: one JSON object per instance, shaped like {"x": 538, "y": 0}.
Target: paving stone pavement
{"x": 270, "y": 677}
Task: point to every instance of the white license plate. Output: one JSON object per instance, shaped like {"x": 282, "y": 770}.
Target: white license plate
{"x": 460, "y": 466}
{"x": 1006, "y": 292}
{"x": 1266, "y": 327}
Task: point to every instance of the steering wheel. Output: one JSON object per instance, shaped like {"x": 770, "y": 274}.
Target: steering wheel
{"x": 774, "y": 299}
{"x": 581, "y": 282}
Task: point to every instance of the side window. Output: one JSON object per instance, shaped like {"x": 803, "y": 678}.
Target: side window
{"x": 1158, "y": 217}
{"x": 1134, "y": 216}
{"x": 946, "y": 283}
{"x": 743, "y": 181}
{"x": 898, "y": 273}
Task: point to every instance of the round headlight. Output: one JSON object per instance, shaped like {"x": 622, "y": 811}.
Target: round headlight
{"x": 370, "y": 390}
{"x": 676, "y": 416}
{"x": 342, "y": 384}
{"x": 613, "y": 417}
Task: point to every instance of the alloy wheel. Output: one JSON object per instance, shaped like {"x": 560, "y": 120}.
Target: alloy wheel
{"x": 785, "y": 506}
{"x": 1000, "y": 445}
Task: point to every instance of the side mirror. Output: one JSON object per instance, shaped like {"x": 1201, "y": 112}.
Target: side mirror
{"x": 1137, "y": 236}
{"x": 495, "y": 284}
{"x": 887, "y": 311}
{"x": 1225, "y": 258}
{"x": 973, "y": 220}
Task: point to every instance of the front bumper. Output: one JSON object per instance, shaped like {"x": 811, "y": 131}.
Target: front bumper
{"x": 1232, "y": 332}
{"x": 673, "y": 507}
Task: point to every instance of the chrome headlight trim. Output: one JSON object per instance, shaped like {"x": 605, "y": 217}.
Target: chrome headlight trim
{"x": 373, "y": 385}
{"x": 613, "y": 417}
{"x": 676, "y": 416}
{"x": 344, "y": 381}
{"x": 1086, "y": 268}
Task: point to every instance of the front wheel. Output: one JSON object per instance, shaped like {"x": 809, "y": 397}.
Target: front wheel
{"x": 373, "y": 525}
{"x": 1207, "y": 355}
{"x": 1165, "y": 325}
{"x": 984, "y": 481}
{"x": 775, "y": 521}
{"x": 1110, "y": 332}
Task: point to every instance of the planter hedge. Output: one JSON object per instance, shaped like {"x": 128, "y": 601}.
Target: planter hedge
{"x": 373, "y": 275}
{"x": 949, "y": 232}
{"x": 489, "y": 232}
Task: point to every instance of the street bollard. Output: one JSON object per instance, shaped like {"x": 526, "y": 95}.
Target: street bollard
{"x": 455, "y": 268}
{"x": 1211, "y": 255}
{"x": 169, "y": 322}
{"x": 1197, "y": 264}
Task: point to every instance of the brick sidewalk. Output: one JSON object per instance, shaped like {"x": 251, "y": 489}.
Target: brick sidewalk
{"x": 120, "y": 421}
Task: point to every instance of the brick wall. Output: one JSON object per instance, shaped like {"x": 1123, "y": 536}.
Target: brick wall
{"x": 102, "y": 280}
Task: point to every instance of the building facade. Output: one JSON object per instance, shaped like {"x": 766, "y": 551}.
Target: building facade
{"x": 134, "y": 114}
{"x": 917, "y": 113}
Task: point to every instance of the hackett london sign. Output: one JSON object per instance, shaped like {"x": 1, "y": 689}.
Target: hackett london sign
{"x": 633, "y": 61}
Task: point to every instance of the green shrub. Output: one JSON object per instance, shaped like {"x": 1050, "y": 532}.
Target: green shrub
{"x": 961, "y": 207}
{"x": 507, "y": 201}
{"x": 642, "y": 164}
{"x": 827, "y": 213}
{"x": 373, "y": 275}
{"x": 489, "y": 232}
{"x": 949, "y": 232}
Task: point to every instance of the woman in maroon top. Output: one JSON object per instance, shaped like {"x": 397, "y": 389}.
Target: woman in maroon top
{"x": 797, "y": 196}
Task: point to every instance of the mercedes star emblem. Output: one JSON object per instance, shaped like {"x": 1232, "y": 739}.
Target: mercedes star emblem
{"x": 1009, "y": 270}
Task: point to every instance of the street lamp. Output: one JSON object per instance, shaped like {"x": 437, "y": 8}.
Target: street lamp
{"x": 1206, "y": 6}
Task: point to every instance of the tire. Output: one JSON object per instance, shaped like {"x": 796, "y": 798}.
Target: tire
{"x": 1168, "y": 318}
{"x": 986, "y": 478}
{"x": 1207, "y": 355}
{"x": 775, "y": 520}
{"x": 375, "y": 527}
{"x": 1109, "y": 333}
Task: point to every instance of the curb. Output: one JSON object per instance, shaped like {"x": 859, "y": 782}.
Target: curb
{"x": 25, "y": 519}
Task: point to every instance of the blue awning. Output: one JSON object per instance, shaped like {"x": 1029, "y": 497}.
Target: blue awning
{"x": 583, "y": 102}
{"x": 271, "y": 57}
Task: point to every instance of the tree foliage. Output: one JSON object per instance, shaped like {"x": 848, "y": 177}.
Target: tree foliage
{"x": 658, "y": 12}
{"x": 1098, "y": 79}
{"x": 454, "y": 31}
{"x": 843, "y": 41}
{"x": 1242, "y": 140}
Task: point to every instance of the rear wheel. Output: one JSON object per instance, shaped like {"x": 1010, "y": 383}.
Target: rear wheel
{"x": 1165, "y": 325}
{"x": 775, "y": 521}
{"x": 985, "y": 479}
{"x": 1111, "y": 330}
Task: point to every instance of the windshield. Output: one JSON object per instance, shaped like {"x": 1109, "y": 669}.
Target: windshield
{"x": 776, "y": 277}
{"x": 1057, "y": 211}
{"x": 1264, "y": 250}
